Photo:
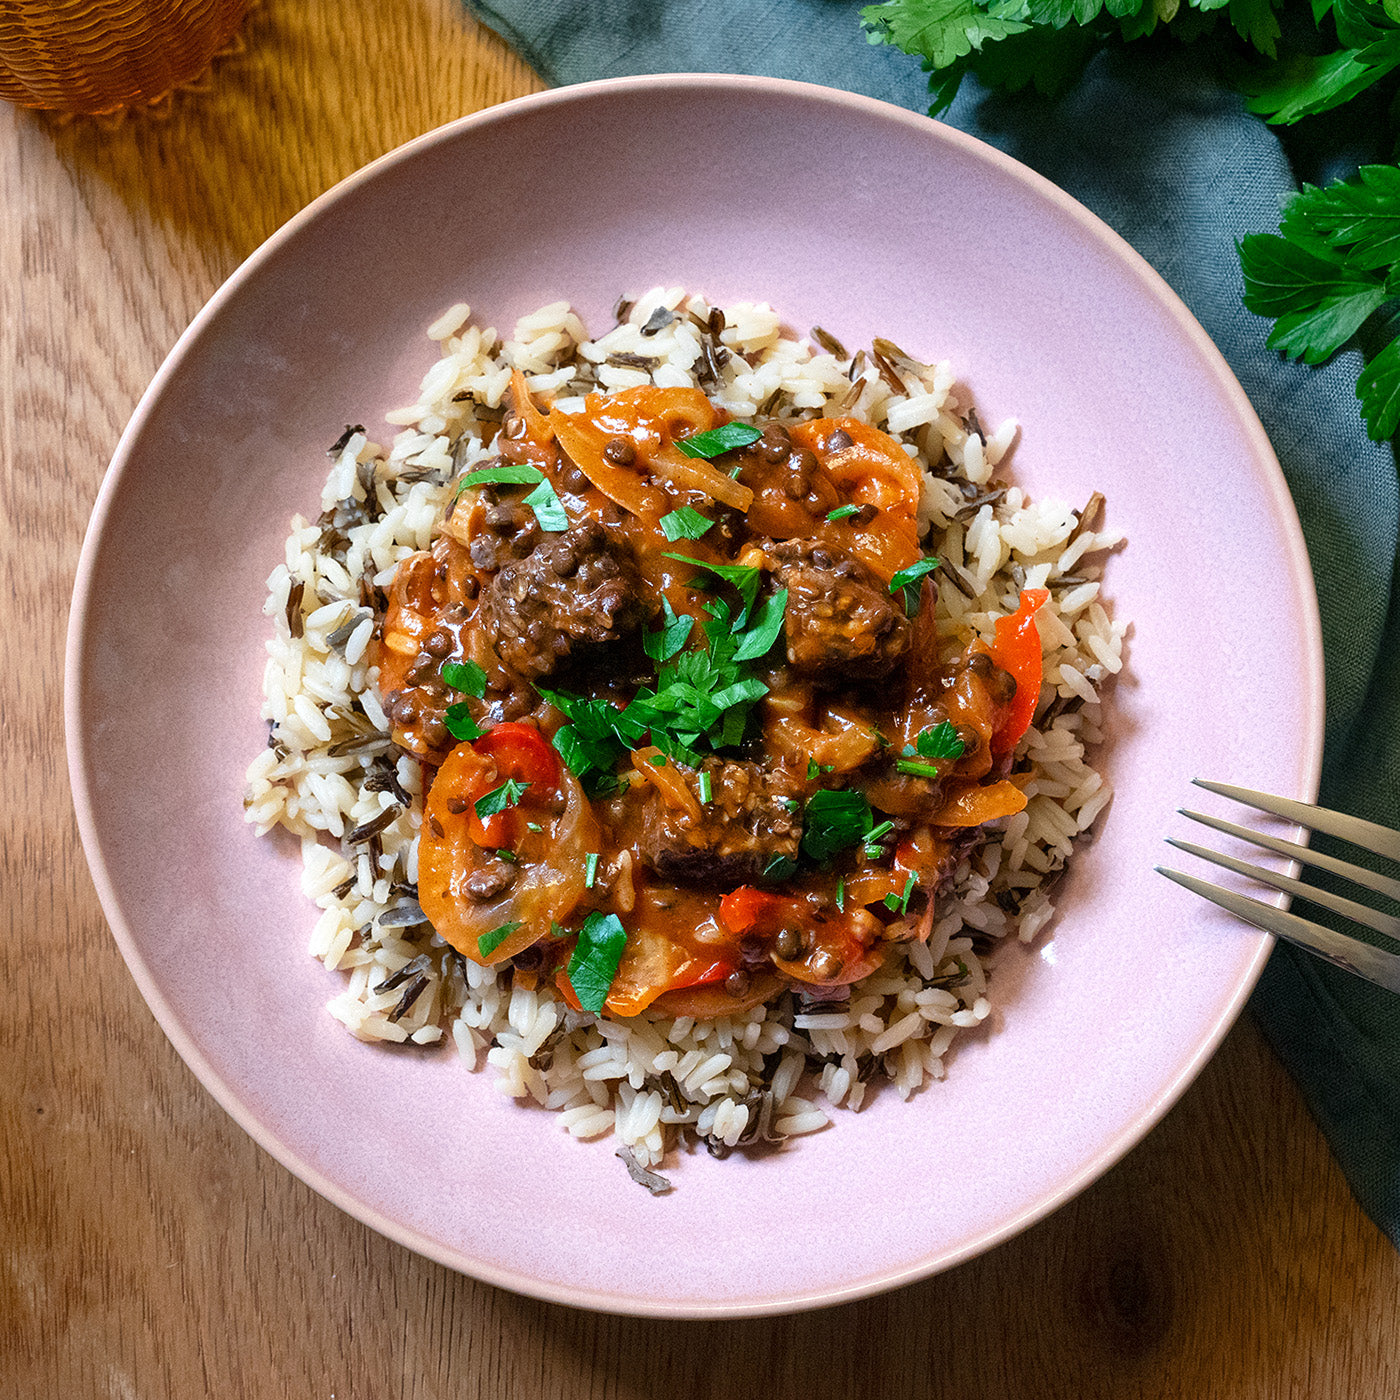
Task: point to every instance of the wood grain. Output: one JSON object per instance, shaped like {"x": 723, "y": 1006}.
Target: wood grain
{"x": 149, "y": 1249}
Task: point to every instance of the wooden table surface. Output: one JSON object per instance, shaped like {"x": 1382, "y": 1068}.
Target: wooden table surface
{"x": 149, "y": 1249}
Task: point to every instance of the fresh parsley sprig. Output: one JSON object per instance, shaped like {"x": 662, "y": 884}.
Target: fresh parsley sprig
{"x": 1331, "y": 276}
{"x": 1334, "y": 266}
{"x": 1044, "y": 44}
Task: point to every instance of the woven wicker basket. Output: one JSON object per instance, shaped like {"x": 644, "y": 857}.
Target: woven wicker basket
{"x": 100, "y": 56}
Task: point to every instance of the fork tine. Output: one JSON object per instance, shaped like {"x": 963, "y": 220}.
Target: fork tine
{"x": 1374, "y": 964}
{"x": 1325, "y": 899}
{"x": 1368, "y": 835}
{"x": 1382, "y": 884}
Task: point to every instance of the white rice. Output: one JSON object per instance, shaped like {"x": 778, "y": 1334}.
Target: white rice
{"x": 331, "y": 768}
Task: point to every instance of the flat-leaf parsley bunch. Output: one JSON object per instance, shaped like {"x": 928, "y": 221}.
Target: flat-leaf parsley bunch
{"x": 1330, "y": 277}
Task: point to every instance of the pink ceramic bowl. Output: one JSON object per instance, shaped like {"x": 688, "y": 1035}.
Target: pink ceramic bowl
{"x": 722, "y": 184}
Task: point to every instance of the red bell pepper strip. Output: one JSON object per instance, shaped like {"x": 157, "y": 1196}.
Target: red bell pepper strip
{"x": 1017, "y": 651}
{"x": 522, "y": 753}
{"x": 741, "y": 909}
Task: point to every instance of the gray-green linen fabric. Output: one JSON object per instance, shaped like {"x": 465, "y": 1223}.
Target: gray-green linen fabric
{"x": 1175, "y": 164}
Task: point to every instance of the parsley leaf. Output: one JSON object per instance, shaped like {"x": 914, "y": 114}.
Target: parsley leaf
{"x": 743, "y": 578}
{"x": 779, "y": 868}
{"x": 938, "y": 741}
{"x": 499, "y": 798}
{"x": 597, "y": 736}
{"x": 595, "y": 958}
{"x": 1317, "y": 304}
{"x": 908, "y": 580}
{"x": 460, "y": 724}
{"x": 900, "y": 902}
{"x": 842, "y": 512}
{"x": 1332, "y": 269}
{"x": 941, "y": 31}
{"x": 675, "y": 631}
{"x": 590, "y": 870}
{"x": 465, "y": 676}
{"x": 543, "y": 500}
{"x": 548, "y": 508}
{"x": 509, "y": 474}
{"x": 489, "y": 942}
{"x": 834, "y": 819}
{"x": 719, "y": 440}
{"x": 685, "y": 524}
{"x": 1306, "y": 85}
{"x": 759, "y": 637}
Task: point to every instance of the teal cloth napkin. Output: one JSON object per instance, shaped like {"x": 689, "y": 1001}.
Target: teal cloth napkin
{"x": 1173, "y": 162}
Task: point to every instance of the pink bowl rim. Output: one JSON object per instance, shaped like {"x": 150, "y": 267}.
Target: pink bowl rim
{"x": 227, "y": 1095}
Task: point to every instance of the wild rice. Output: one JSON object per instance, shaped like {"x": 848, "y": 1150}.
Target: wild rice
{"x": 332, "y": 776}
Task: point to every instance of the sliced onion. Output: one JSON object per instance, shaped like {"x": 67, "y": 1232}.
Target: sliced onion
{"x": 698, "y": 475}
{"x": 545, "y": 891}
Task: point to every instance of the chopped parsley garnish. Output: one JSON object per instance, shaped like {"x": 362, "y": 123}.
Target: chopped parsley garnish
{"x": 873, "y": 837}
{"x": 595, "y": 739}
{"x": 460, "y": 724}
{"x": 508, "y": 474}
{"x": 590, "y": 870}
{"x": 676, "y": 751}
{"x": 841, "y": 894}
{"x": 743, "y": 578}
{"x": 815, "y": 769}
{"x": 533, "y": 826}
{"x": 719, "y": 440}
{"x": 499, "y": 798}
{"x": 543, "y": 500}
{"x": 835, "y": 819}
{"x": 465, "y": 676}
{"x": 900, "y": 902}
{"x": 548, "y": 508}
{"x": 594, "y": 962}
{"x": 657, "y": 760}
{"x": 842, "y": 512}
{"x": 685, "y": 524}
{"x": 938, "y": 741}
{"x": 915, "y": 769}
{"x": 489, "y": 942}
{"x": 907, "y": 581}
{"x": 779, "y": 868}
{"x": 703, "y": 783}
{"x": 760, "y": 635}
{"x": 702, "y": 696}
{"x": 675, "y": 632}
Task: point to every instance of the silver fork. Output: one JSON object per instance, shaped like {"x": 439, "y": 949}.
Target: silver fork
{"x": 1375, "y": 964}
